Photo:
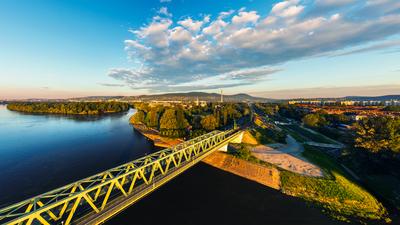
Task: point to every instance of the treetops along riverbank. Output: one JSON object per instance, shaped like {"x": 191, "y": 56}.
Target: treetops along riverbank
{"x": 73, "y": 108}
{"x": 190, "y": 120}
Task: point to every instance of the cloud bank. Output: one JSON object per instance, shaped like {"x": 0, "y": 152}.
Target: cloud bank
{"x": 240, "y": 47}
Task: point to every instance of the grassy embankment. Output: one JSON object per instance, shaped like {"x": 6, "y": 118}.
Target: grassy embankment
{"x": 266, "y": 134}
{"x": 336, "y": 192}
{"x": 302, "y": 135}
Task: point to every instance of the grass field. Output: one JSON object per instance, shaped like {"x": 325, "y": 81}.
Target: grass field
{"x": 296, "y": 136}
{"x": 267, "y": 135}
{"x": 336, "y": 193}
{"x": 308, "y": 135}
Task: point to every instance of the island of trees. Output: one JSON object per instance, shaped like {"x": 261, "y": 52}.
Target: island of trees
{"x": 73, "y": 108}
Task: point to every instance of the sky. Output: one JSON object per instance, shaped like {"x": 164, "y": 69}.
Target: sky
{"x": 274, "y": 49}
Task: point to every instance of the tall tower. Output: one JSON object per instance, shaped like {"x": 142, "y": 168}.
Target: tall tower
{"x": 222, "y": 97}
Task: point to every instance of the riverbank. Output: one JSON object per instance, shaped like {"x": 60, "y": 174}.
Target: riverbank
{"x": 267, "y": 176}
{"x": 155, "y": 137}
{"x": 335, "y": 193}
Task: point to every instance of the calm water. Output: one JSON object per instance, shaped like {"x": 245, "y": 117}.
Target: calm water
{"x": 41, "y": 152}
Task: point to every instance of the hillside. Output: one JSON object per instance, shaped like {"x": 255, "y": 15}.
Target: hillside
{"x": 190, "y": 96}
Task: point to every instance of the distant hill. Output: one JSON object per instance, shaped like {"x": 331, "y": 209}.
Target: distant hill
{"x": 202, "y": 96}
{"x": 190, "y": 96}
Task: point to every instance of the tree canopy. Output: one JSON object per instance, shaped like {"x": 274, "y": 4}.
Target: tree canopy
{"x": 209, "y": 123}
{"x": 168, "y": 120}
{"x": 152, "y": 118}
{"x": 138, "y": 117}
{"x": 78, "y": 108}
{"x": 378, "y": 134}
{"x": 314, "y": 120}
{"x": 173, "y": 123}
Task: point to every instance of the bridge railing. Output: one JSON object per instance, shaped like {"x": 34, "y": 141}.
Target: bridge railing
{"x": 62, "y": 205}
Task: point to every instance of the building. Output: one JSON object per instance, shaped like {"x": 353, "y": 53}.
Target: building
{"x": 200, "y": 103}
{"x": 392, "y": 103}
{"x": 348, "y": 103}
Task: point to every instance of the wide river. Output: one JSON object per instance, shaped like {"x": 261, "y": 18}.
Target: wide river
{"x": 41, "y": 152}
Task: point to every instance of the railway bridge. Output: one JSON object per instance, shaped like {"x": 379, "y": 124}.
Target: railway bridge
{"x": 95, "y": 199}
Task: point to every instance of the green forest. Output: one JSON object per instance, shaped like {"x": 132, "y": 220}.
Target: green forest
{"x": 74, "y": 108}
{"x": 177, "y": 121}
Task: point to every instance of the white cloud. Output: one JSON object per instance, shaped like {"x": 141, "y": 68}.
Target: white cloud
{"x": 180, "y": 34}
{"x": 164, "y": 11}
{"x": 245, "y": 17}
{"x": 287, "y": 8}
{"x": 175, "y": 54}
{"x": 193, "y": 25}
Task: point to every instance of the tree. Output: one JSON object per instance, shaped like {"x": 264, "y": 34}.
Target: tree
{"x": 172, "y": 123}
{"x": 138, "y": 117}
{"x": 168, "y": 120}
{"x": 225, "y": 116}
{"x": 152, "y": 118}
{"x": 314, "y": 120}
{"x": 378, "y": 134}
{"x": 393, "y": 108}
{"x": 181, "y": 119}
{"x": 209, "y": 122}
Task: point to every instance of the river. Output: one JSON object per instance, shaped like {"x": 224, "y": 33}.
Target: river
{"x": 39, "y": 153}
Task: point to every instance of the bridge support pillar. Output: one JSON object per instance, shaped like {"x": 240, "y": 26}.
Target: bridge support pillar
{"x": 238, "y": 139}
{"x": 223, "y": 148}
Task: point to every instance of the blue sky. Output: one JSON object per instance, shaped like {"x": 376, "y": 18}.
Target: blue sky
{"x": 278, "y": 49}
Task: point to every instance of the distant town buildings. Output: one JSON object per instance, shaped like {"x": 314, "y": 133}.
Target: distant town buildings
{"x": 163, "y": 103}
{"x": 347, "y": 102}
{"x": 200, "y": 103}
{"x": 392, "y": 103}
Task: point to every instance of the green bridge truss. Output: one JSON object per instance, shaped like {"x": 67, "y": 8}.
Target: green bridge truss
{"x": 95, "y": 199}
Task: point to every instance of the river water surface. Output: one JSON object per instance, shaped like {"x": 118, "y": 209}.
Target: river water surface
{"x": 39, "y": 153}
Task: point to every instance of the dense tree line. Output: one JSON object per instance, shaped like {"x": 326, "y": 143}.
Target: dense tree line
{"x": 76, "y": 108}
{"x": 392, "y": 108}
{"x": 177, "y": 121}
{"x": 378, "y": 134}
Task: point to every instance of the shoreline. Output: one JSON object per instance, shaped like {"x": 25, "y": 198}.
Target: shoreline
{"x": 67, "y": 114}
{"x": 154, "y": 136}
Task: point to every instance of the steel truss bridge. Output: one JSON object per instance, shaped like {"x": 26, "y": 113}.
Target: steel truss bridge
{"x": 95, "y": 199}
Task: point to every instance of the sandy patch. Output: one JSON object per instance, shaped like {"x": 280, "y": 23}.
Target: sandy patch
{"x": 287, "y": 157}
